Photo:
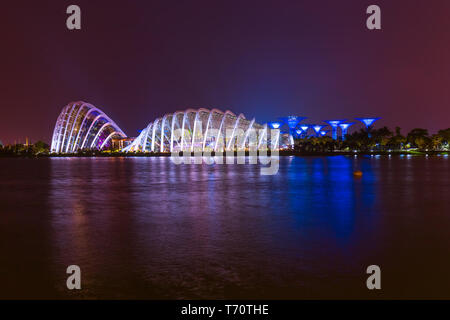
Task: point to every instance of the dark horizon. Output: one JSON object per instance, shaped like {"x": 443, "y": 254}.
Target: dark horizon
{"x": 265, "y": 59}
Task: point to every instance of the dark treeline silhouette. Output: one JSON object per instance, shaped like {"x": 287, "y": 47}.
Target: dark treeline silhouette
{"x": 382, "y": 139}
{"x": 36, "y": 149}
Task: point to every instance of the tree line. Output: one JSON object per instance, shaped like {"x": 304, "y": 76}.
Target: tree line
{"x": 18, "y": 149}
{"x": 382, "y": 139}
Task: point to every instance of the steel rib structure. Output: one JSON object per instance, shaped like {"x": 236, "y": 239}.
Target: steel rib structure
{"x": 200, "y": 130}
{"x": 81, "y": 126}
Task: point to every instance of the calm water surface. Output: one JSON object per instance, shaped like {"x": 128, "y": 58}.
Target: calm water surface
{"x": 147, "y": 228}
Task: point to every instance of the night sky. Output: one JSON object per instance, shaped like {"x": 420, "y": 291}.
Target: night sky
{"x": 137, "y": 60}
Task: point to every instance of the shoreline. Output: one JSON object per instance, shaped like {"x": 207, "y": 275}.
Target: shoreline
{"x": 281, "y": 154}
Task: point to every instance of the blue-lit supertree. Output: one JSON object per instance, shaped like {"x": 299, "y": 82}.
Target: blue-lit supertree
{"x": 275, "y": 124}
{"x": 334, "y": 125}
{"x": 317, "y": 128}
{"x": 304, "y": 128}
{"x": 344, "y": 128}
{"x": 323, "y": 133}
{"x": 368, "y": 122}
{"x": 292, "y": 122}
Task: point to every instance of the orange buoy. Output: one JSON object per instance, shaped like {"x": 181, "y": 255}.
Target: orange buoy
{"x": 358, "y": 173}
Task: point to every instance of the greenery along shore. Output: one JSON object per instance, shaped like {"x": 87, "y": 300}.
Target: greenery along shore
{"x": 374, "y": 141}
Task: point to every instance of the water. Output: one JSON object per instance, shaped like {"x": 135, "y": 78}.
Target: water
{"x": 146, "y": 228}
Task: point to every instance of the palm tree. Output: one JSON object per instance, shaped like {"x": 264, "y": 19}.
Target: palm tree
{"x": 445, "y": 134}
{"x": 437, "y": 141}
{"x": 41, "y": 147}
{"x": 397, "y": 141}
{"x": 419, "y": 138}
{"x": 382, "y": 136}
{"x": 358, "y": 140}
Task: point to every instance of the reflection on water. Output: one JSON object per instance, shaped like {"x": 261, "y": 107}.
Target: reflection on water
{"x": 146, "y": 228}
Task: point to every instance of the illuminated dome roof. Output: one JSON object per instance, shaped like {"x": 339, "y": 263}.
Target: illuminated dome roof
{"x": 80, "y": 126}
{"x": 199, "y": 130}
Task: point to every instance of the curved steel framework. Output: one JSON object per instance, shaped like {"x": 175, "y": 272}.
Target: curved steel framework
{"x": 200, "y": 130}
{"x": 80, "y": 126}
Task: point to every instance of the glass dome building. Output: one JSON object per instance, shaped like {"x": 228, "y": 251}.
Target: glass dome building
{"x": 201, "y": 129}
{"x": 81, "y": 126}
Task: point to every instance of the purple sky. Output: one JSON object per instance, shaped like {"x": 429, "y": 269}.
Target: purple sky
{"x": 137, "y": 60}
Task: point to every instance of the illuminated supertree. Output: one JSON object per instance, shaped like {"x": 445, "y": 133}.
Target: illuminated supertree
{"x": 323, "y": 133}
{"x": 334, "y": 125}
{"x": 368, "y": 122}
{"x": 317, "y": 128}
{"x": 275, "y": 124}
{"x": 344, "y": 128}
{"x": 304, "y": 128}
{"x": 292, "y": 122}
